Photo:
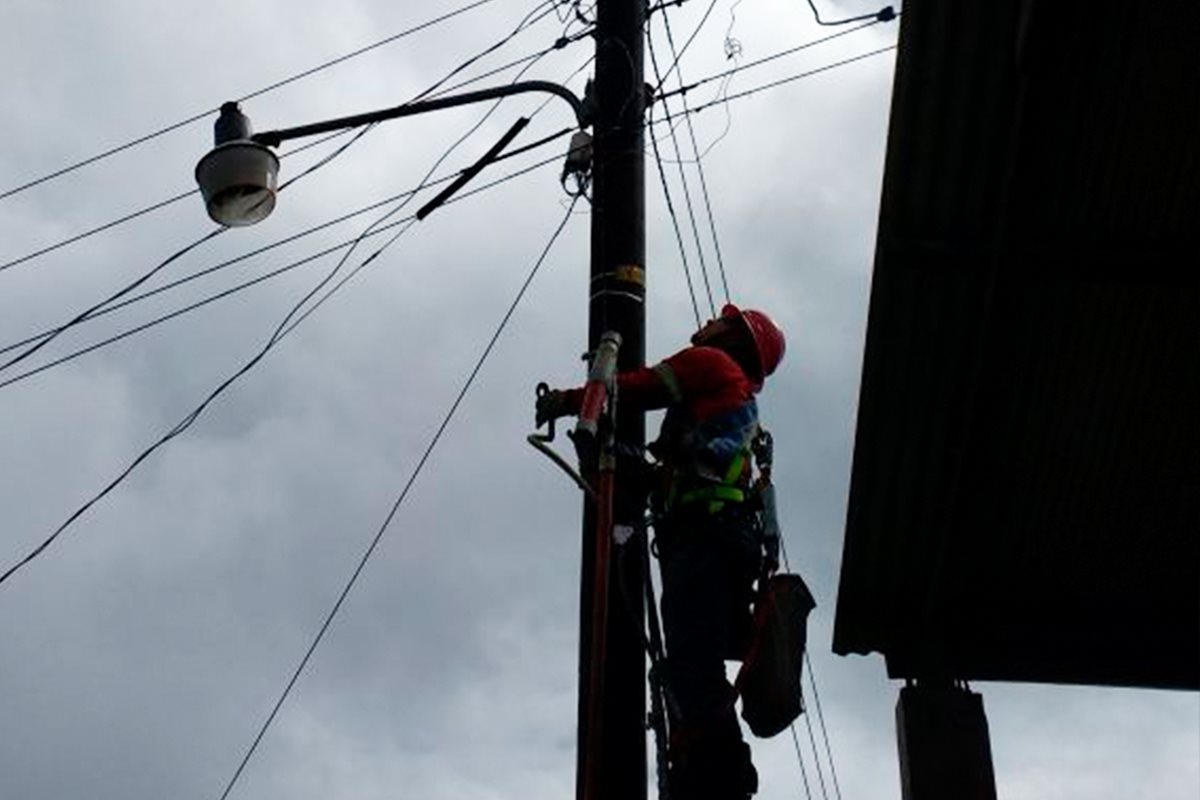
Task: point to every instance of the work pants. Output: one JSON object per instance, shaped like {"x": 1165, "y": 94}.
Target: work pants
{"x": 708, "y": 565}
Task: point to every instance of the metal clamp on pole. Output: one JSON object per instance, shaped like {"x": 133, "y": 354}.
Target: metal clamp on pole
{"x": 542, "y": 443}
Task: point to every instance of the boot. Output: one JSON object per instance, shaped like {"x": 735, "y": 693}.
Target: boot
{"x": 713, "y": 768}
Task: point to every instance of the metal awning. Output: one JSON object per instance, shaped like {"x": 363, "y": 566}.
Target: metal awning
{"x": 1025, "y": 497}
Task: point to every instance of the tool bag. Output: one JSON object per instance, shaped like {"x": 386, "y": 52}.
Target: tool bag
{"x": 769, "y": 680}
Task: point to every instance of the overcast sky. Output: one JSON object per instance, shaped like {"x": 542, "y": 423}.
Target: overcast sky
{"x": 141, "y": 652}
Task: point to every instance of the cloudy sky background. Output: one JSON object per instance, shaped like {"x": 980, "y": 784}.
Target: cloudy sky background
{"x": 142, "y": 651}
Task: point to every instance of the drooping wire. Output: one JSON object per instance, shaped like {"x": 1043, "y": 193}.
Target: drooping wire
{"x": 885, "y": 14}
{"x": 276, "y": 272}
{"x": 258, "y": 92}
{"x": 700, "y": 171}
{"x": 362, "y": 563}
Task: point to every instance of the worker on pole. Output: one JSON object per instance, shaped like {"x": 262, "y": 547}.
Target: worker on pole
{"x": 709, "y": 536}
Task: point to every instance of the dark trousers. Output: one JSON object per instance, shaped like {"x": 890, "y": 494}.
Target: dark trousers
{"x": 708, "y": 565}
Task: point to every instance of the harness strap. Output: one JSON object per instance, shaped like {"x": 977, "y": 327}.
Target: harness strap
{"x": 727, "y": 491}
{"x": 716, "y": 496}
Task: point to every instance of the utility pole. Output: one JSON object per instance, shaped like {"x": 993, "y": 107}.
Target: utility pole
{"x": 612, "y": 727}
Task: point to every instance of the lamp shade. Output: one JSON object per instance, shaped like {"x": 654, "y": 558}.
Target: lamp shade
{"x": 238, "y": 180}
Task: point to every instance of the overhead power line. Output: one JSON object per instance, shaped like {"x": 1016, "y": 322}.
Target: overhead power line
{"x": 791, "y": 78}
{"x": 285, "y": 327}
{"x": 559, "y": 44}
{"x": 675, "y": 63}
{"x": 141, "y": 212}
{"x": 808, "y": 721}
{"x": 683, "y": 182}
{"x": 687, "y": 196}
{"x": 885, "y": 14}
{"x": 258, "y": 92}
{"x": 404, "y": 492}
{"x": 109, "y": 306}
{"x": 229, "y": 292}
{"x": 684, "y": 89}
{"x": 529, "y": 19}
{"x": 712, "y": 224}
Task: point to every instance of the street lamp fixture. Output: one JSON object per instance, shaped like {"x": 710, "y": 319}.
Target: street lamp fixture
{"x": 239, "y": 177}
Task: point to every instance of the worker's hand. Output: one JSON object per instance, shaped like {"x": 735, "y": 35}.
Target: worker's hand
{"x": 550, "y": 406}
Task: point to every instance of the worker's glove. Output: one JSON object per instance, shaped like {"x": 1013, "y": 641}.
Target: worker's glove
{"x": 550, "y": 406}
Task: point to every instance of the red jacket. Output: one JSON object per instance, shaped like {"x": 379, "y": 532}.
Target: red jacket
{"x": 711, "y": 415}
{"x": 704, "y": 381}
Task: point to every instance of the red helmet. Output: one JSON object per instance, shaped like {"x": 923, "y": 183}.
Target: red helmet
{"x": 769, "y": 341}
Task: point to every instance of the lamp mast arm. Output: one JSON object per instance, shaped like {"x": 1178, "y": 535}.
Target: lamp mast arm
{"x": 275, "y": 138}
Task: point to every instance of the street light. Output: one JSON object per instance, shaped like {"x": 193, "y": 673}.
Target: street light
{"x": 239, "y": 177}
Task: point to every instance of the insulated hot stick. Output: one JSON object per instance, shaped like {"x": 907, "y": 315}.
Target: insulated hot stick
{"x": 596, "y": 394}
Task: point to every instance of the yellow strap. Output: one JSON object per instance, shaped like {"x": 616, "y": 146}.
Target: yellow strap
{"x": 718, "y": 495}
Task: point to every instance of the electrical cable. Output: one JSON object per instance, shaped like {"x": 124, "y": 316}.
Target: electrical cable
{"x": 525, "y": 22}
{"x": 284, "y": 328}
{"x": 812, "y": 679}
{"x": 816, "y": 756}
{"x": 146, "y": 210}
{"x": 688, "y": 113}
{"x": 683, "y": 180}
{"x": 279, "y": 271}
{"x": 807, "y": 717}
{"x": 800, "y": 761}
{"x": 767, "y": 59}
{"x": 528, "y": 21}
{"x": 686, "y": 45}
{"x": 796, "y": 77}
{"x": 442, "y": 199}
{"x": 559, "y": 44}
{"x": 185, "y": 423}
{"x": 885, "y": 14}
{"x": 129, "y": 287}
{"x": 362, "y": 563}
{"x": 278, "y": 84}
{"x": 109, "y": 306}
{"x": 674, "y": 219}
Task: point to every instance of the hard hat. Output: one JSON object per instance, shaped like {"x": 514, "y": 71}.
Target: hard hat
{"x": 768, "y": 338}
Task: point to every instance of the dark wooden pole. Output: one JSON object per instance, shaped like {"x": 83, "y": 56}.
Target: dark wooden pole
{"x": 612, "y": 727}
